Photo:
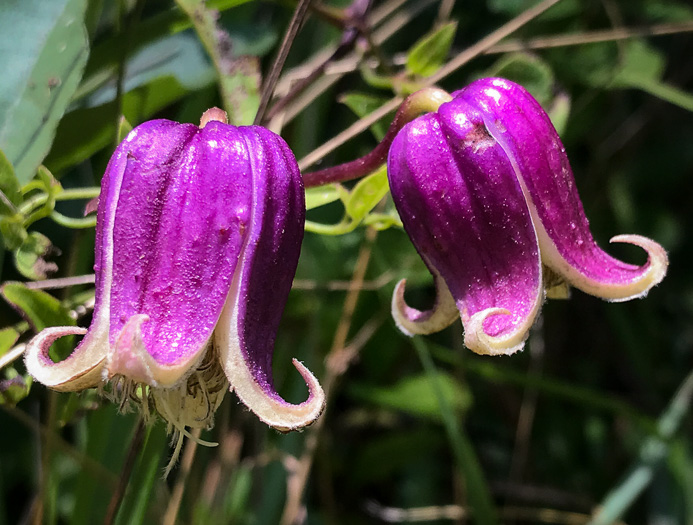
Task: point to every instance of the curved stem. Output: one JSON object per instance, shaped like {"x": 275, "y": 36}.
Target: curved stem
{"x": 64, "y": 195}
{"x": 423, "y": 101}
{"x": 71, "y": 222}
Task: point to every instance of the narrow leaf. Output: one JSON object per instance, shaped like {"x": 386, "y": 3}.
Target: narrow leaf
{"x": 43, "y": 50}
{"x": 8, "y": 337}
{"x": 367, "y": 194}
{"x": 30, "y": 257}
{"x": 41, "y": 310}
{"x": 429, "y": 53}
{"x": 416, "y": 395}
{"x": 363, "y": 104}
{"x": 321, "y": 195}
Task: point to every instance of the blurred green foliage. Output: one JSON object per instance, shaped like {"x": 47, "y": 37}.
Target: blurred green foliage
{"x": 596, "y": 411}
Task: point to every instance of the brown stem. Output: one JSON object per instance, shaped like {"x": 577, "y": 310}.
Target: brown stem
{"x": 353, "y": 23}
{"x": 268, "y": 89}
{"x": 424, "y": 100}
{"x": 453, "y": 65}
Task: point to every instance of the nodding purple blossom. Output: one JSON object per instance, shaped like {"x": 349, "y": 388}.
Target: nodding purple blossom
{"x": 197, "y": 241}
{"x": 485, "y": 191}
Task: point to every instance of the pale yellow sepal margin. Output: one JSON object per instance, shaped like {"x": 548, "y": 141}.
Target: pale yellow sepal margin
{"x": 442, "y": 315}
{"x": 273, "y": 411}
{"x": 479, "y": 342}
{"x": 657, "y": 269}
{"x": 82, "y": 369}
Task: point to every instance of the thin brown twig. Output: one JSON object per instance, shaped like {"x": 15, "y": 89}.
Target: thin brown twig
{"x": 340, "y": 286}
{"x": 353, "y": 25}
{"x": 392, "y": 22}
{"x": 219, "y": 469}
{"x": 590, "y": 37}
{"x": 455, "y": 512}
{"x": 126, "y": 471}
{"x": 381, "y": 14}
{"x": 335, "y": 367}
{"x": 295, "y": 24}
{"x": 444, "y": 11}
{"x": 335, "y": 71}
{"x": 458, "y": 61}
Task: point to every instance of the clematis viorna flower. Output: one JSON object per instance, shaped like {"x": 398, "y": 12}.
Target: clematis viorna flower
{"x": 485, "y": 191}
{"x": 197, "y": 241}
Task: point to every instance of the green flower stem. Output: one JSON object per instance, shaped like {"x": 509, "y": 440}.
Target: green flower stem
{"x": 423, "y": 101}
{"x": 480, "y": 500}
{"x": 70, "y": 222}
{"x": 32, "y": 204}
{"x": 341, "y": 228}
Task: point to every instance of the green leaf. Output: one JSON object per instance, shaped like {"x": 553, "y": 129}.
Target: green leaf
{"x": 143, "y": 482}
{"x": 9, "y": 186}
{"x": 428, "y": 54}
{"x": 357, "y": 203}
{"x": 41, "y": 310}
{"x": 664, "y": 91}
{"x": 124, "y": 127}
{"x": 642, "y": 68}
{"x": 363, "y": 104}
{"x": 416, "y": 395}
{"x": 367, "y": 194}
{"x": 321, "y": 195}
{"x": 8, "y": 337}
{"x": 669, "y": 11}
{"x": 559, "y": 111}
{"x": 83, "y": 132}
{"x": 13, "y": 231}
{"x": 180, "y": 56}
{"x": 29, "y": 258}
{"x": 43, "y": 50}
{"x": 640, "y": 61}
{"x": 38, "y": 307}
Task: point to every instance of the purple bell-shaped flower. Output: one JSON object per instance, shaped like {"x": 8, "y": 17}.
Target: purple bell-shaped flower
{"x": 197, "y": 241}
{"x": 485, "y": 191}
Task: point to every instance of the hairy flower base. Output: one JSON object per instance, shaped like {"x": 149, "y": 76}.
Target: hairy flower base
{"x": 191, "y": 404}
{"x": 198, "y": 236}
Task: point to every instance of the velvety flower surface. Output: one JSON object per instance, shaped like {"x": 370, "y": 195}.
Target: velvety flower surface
{"x": 485, "y": 191}
{"x": 197, "y": 241}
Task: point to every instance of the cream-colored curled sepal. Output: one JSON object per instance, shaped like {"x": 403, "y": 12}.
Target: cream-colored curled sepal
{"x": 415, "y": 322}
{"x": 80, "y": 370}
{"x": 269, "y": 407}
